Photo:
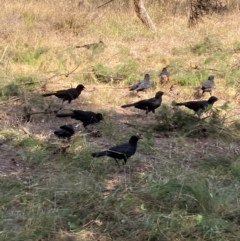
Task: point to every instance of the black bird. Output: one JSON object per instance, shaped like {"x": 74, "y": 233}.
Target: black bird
{"x": 86, "y": 117}
{"x": 142, "y": 85}
{"x": 92, "y": 46}
{"x": 149, "y": 104}
{"x": 164, "y": 76}
{"x": 198, "y": 104}
{"x": 65, "y": 131}
{"x": 68, "y": 94}
{"x": 122, "y": 151}
{"x": 207, "y": 85}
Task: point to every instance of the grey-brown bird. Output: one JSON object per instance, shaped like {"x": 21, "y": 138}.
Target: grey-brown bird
{"x": 141, "y": 85}
{"x": 164, "y": 76}
{"x": 207, "y": 86}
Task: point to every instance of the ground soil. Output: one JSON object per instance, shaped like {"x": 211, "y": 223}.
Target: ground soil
{"x": 125, "y": 121}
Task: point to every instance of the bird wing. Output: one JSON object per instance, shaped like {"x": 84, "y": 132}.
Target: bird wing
{"x": 59, "y": 131}
{"x": 73, "y": 93}
{"x": 144, "y": 84}
{"x": 198, "y": 87}
{"x": 118, "y": 151}
{"x": 125, "y": 149}
{"x": 207, "y": 84}
{"x": 81, "y": 115}
{"x": 164, "y": 72}
{"x": 196, "y": 105}
{"x": 68, "y": 128}
{"x": 84, "y": 116}
{"x": 135, "y": 86}
{"x": 148, "y": 103}
{"x": 63, "y": 133}
{"x": 61, "y": 94}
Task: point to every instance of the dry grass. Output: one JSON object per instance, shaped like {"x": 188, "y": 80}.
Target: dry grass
{"x": 180, "y": 185}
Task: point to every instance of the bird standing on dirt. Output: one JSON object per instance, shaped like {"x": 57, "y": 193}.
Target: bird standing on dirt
{"x": 68, "y": 94}
{"x": 142, "y": 85}
{"x": 207, "y": 85}
{"x": 198, "y": 104}
{"x": 86, "y": 117}
{"x": 149, "y": 104}
{"x": 122, "y": 151}
{"x": 65, "y": 131}
{"x": 164, "y": 76}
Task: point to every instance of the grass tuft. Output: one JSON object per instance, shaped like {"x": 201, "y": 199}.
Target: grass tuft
{"x": 189, "y": 125}
{"x": 208, "y": 45}
{"x": 30, "y": 55}
{"x": 9, "y": 90}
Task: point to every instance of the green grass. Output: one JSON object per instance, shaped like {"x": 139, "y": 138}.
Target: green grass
{"x": 73, "y": 192}
{"x": 207, "y": 46}
{"x": 30, "y": 54}
{"x": 183, "y": 181}
{"x": 9, "y": 90}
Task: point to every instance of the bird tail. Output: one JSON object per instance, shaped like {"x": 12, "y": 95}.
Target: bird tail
{"x": 132, "y": 88}
{"x": 48, "y": 94}
{"x": 174, "y": 103}
{"x": 98, "y": 154}
{"x": 65, "y": 115}
{"x": 128, "y": 105}
{"x": 177, "y": 104}
{"x": 59, "y": 132}
{"x": 198, "y": 87}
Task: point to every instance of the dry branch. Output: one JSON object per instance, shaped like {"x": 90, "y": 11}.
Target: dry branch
{"x": 143, "y": 15}
{"x": 105, "y": 3}
{"x": 14, "y": 98}
{"x": 200, "y": 8}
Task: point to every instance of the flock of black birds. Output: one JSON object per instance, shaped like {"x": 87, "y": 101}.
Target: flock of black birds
{"x": 126, "y": 150}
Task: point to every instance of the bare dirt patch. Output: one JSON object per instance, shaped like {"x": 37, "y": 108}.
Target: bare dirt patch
{"x": 11, "y": 162}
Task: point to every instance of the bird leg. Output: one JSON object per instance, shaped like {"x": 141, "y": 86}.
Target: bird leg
{"x": 86, "y": 129}
{"x": 124, "y": 160}
{"x": 61, "y": 105}
{"x": 117, "y": 162}
{"x": 48, "y": 108}
{"x": 147, "y": 111}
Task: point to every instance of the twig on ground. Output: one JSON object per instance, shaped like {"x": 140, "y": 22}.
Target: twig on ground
{"x": 26, "y": 131}
{"x": 14, "y": 98}
{"x": 105, "y": 3}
